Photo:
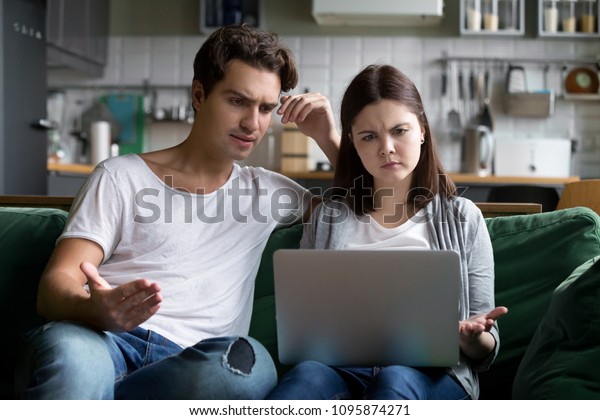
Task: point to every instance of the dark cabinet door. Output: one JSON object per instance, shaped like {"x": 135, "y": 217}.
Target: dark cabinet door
{"x": 77, "y": 34}
{"x": 54, "y": 15}
{"x": 97, "y": 41}
{"x": 74, "y": 26}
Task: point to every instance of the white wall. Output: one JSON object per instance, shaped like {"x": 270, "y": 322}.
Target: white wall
{"x": 327, "y": 64}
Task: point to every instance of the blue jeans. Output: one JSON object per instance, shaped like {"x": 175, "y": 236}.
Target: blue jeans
{"x": 316, "y": 381}
{"x": 66, "y": 360}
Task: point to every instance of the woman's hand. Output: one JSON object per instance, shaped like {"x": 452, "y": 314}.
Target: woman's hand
{"x": 475, "y": 341}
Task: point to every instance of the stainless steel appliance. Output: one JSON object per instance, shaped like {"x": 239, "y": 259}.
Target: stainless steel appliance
{"x": 477, "y": 150}
{"x": 23, "y": 124}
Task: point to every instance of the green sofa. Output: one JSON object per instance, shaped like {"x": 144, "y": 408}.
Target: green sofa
{"x": 547, "y": 274}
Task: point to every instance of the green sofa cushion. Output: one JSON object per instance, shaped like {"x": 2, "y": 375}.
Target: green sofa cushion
{"x": 287, "y": 237}
{"x": 27, "y": 237}
{"x": 563, "y": 358}
{"x": 263, "y": 326}
{"x": 533, "y": 254}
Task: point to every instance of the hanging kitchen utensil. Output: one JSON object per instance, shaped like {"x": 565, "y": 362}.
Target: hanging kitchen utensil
{"x": 461, "y": 96}
{"x": 485, "y": 118}
{"x": 515, "y": 80}
{"x": 477, "y": 150}
{"x": 454, "y": 123}
{"x": 442, "y": 131}
{"x": 440, "y": 126}
{"x": 563, "y": 77}
{"x": 473, "y": 110}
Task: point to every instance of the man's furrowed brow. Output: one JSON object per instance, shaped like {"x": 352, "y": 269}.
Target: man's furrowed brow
{"x": 249, "y": 99}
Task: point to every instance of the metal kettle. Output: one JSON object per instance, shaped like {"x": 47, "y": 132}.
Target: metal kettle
{"x": 477, "y": 150}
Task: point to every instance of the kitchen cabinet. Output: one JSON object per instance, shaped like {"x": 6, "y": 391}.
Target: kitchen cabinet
{"x": 77, "y": 34}
{"x": 568, "y": 18}
{"x": 216, "y": 13}
{"x": 65, "y": 184}
{"x": 478, "y": 188}
{"x": 492, "y": 17}
{"x": 67, "y": 179}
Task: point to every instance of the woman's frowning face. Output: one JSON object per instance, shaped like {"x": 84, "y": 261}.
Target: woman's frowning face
{"x": 388, "y": 137}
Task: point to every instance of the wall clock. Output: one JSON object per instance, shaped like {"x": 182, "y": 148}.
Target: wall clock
{"x": 581, "y": 80}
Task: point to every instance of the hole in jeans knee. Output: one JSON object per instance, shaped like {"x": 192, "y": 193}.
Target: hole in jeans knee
{"x": 240, "y": 357}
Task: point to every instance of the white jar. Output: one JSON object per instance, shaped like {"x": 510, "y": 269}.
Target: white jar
{"x": 473, "y": 15}
{"x": 568, "y": 16}
{"x": 588, "y": 16}
{"x": 550, "y": 16}
{"x": 490, "y": 15}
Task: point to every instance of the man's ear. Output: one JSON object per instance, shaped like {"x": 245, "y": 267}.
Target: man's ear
{"x": 197, "y": 94}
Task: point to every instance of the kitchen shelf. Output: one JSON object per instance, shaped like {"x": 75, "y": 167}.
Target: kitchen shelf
{"x": 492, "y": 18}
{"x": 563, "y": 61}
{"x": 562, "y": 14}
{"x": 99, "y": 86}
{"x": 581, "y": 96}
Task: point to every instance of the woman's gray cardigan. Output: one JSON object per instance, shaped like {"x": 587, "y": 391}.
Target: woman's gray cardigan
{"x": 455, "y": 224}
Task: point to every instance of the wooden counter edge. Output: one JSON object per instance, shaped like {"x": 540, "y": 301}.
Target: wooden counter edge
{"x": 76, "y": 168}
{"x": 458, "y": 178}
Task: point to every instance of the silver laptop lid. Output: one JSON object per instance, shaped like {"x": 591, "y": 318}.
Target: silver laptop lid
{"x": 367, "y": 308}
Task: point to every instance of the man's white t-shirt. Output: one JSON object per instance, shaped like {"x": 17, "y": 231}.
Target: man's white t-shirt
{"x": 203, "y": 250}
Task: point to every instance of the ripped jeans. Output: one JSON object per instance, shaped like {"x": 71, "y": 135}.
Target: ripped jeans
{"x": 65, "y": 360}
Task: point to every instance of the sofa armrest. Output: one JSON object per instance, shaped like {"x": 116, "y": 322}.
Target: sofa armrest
{"x": 27, "y": 238}
{"x": 533, "y": 254}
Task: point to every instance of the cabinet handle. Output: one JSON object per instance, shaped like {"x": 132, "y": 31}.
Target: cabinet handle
{"x": 44, "y": 124}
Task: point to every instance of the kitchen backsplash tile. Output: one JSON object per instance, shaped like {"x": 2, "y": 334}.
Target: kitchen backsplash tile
{"x": 376, "y": 50}
{"x": 318, "y": 74}
{"x": 559, "y": 49}
{"x": 346, "y": 52}
{"x": 586, "y": 49}
{"x": 293, "y": 43}
{"x": 413, "y": 47}
{"x": 315, "y": 51}
{"x": 112, "y": 70}
{"x": 530, "y": 48}
{"x": 135, "y": 60}
{"x": 327, "y": 64}
{"x": 165, "y": 53}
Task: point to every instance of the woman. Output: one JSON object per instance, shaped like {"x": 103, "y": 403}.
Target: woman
{"x": 392, "y": 192}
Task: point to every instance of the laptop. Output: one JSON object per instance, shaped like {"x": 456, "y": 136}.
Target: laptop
{"x": 367, "y": 307}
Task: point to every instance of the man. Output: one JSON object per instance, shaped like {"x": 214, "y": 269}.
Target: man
{"x": 151, "y": 283}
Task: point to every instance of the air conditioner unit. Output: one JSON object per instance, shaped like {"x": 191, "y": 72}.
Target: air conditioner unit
{"x": 378, "y": 12}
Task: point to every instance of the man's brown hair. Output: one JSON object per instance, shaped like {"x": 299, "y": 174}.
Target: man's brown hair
{"x": 259, "y": 49}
